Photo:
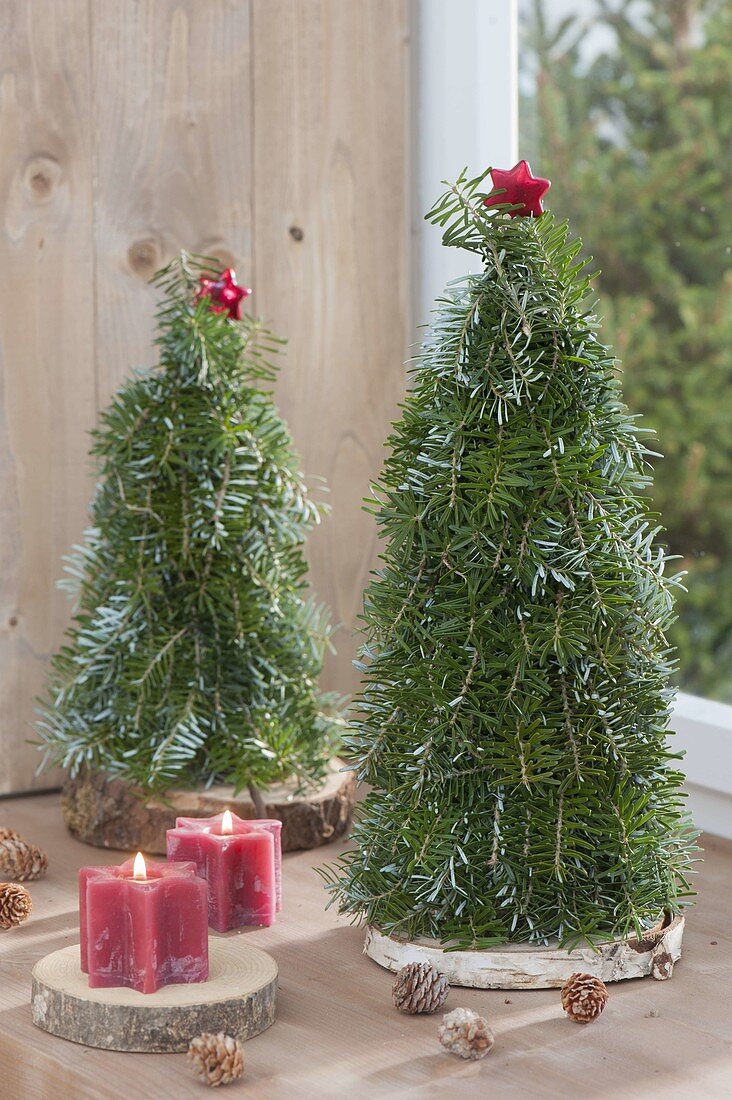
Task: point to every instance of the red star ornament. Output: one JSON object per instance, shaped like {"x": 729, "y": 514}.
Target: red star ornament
{"x": 520, "y": 189}
{"x": 225, "y": 293}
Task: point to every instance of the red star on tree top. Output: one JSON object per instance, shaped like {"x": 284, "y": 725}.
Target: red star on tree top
{"x": 519, "y": 187}
{"x": 225, "y": 293}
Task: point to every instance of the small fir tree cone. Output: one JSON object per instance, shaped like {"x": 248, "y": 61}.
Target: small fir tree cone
{"x": 217, "y": 1059}
{"x": 8, "y": 834}
{"x": 584, "y": 997}
{"x": 465, "y": 1033}
{"x": 419, "y": 987}
{"x": 20, "y": 860}
{"x": 15, "y": 904}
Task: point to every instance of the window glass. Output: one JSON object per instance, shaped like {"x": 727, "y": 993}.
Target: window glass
{"x": 627, "y": 106}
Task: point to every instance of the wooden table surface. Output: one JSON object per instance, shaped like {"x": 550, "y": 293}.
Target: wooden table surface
{"x": 337, "y": 1033}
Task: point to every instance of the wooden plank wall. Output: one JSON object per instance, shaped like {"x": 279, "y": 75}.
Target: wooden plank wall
{"x": 272, "y": 133}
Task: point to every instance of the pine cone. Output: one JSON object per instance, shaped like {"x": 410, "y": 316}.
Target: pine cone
{"x": 584, "y": 997}
{"x": 419, "y": 987}
{"x": 15, "y": 904}
{"x": 19, "y": 859}
{"x": 465, "y": 1033}
{"x": 217, "y": 1059}
{"x": 8, "y": 834}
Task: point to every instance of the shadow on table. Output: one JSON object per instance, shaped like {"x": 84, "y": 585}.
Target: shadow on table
{"x": 649, "y": 1041}
{"x": 39, "y": 935}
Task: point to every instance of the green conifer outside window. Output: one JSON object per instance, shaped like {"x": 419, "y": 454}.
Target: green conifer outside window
{"x": 194, "y": 653}
{"x": 636, "y": 97}
{"x": 515, "y": 707}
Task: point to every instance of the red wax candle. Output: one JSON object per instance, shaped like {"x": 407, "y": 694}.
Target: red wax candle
{"x": 142, "y": 925}
{"x": 241, "y": 861}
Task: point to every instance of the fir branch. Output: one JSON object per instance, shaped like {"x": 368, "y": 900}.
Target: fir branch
{"x": 194, "y": 651}
{"x": 515, "y": 699}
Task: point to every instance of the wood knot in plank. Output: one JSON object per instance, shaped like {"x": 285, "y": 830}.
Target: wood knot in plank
{"x": 143, "y": 256}
{"x": 42, "y": 176}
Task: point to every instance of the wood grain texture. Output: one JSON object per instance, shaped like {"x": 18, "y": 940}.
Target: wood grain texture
{"x": 109, "y": 813}
{"x": 239, "y": 999}
{"x": 337, "y": 1032}
{"x": 331, "y": 249}
{"x": 261, "y": 131}
{"x": 47, "y": 384}
{"x": 171, "y": 115}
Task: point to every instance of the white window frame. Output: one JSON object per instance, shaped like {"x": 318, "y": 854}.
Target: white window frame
{"x": 466, "y": 113}
{"x": 703, "y": 730}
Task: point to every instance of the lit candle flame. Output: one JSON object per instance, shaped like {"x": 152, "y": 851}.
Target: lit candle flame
{"x": 139, "y": 870}
{"x": 227, "y": 824}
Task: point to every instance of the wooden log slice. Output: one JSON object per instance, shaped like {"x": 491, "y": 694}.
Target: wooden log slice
{"x": 525, "y": 966}
{"x": 110, "y": 813}
{"x": 238, "y": 998}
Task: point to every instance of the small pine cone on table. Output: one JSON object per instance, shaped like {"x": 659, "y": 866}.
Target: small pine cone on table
{"x": 419, "y": 987}
{"x": 8, "y": 834}
{"x": 20, "y": 860}
{"x": 465, "y": 1033}
{"x": 217, "y": 1059}
{"x": 584, "y": 997}
{"x": 15, "y": 904}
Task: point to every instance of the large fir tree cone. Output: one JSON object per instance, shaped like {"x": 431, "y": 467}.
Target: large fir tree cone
{"x": 111, "y": 813}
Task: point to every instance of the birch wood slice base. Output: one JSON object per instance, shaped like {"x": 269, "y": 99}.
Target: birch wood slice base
{"x": 110, "y": 813}
{"x": 525, "y": 966}
{"x": 238, "y": 998}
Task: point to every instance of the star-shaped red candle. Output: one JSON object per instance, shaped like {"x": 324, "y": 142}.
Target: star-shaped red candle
{"x": 520, "y": 188}
{"x": 225, "y": 293}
